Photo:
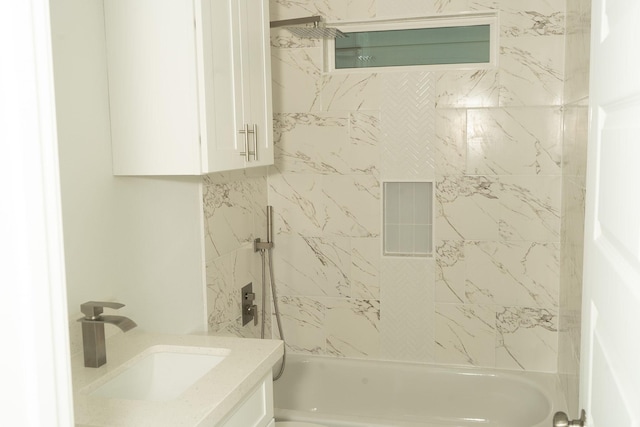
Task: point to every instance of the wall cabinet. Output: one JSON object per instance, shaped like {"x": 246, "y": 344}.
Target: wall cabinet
{"x": 189, "y": 85}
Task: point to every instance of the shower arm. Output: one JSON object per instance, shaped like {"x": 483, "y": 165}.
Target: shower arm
{"x": 315, "y": 20}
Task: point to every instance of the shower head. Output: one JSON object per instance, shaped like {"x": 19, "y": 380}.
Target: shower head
{"x": 315, "y": 31}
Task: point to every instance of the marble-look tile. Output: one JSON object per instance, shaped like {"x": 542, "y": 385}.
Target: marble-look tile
{"x": 224, "y": 177}
{"x": 326, "y": 205}
{"x": 352, "y": 205}
{"x": 288, "y": 9}
{"x": 467, "y": 208}
{"x": 530, "y": 208}
{"x": 284, "y": 39}
{"x": 514, "y": 141}
{"x": 577, "y": 51}
{"x": 413, "y": 8}
{"x": 450, "y": 6}
{"x": 244, "y": 269}
{"x": 223, "y": 298}
{"x": 450, "y": 144}
{"x": 298, "y": 204}
{"x": 450, "y": 271}
{"x": 403, "y": 8}
{"x": 527, "y": 339}
{"x": 569, "y": 373}
{"x": 531, "y": 71}
{"x": 465, "y": 334}
{"x": 467, "y": 88}
{"x": 498, "y": 208}
{"x": 312, "y": 143}
{"x": 407, "y": 124}
{"x": 484, "y": 5}
{"x": 365, "y": 268}
{"x": 574, "y": 147}
{"x": 352, "y": 327}
{"x": 297, "y": 81}
{"x": 364, "y": 137}
{"x": 302, "y": 321}
{"x": 573, "y": 208}
{"x": 308, "y": 266}
{"x": 512, "y": 273}
{"x": 361, "y": 9}
{"x": 259, "y": 201}
{"x": 228, "y": 216}
{"x": 351, "y": 92}
{"x": 331, "y": 10}
{"x": 326, "y": 143}
{"x": 236, "y": 329}
{"x": 532, "y": 18}
{"x": 407, "y": 315}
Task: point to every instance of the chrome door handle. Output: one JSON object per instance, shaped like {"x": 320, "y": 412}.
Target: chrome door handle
{"x": 560, "y": 419}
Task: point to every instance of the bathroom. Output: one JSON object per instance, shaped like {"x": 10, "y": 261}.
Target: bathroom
{"x": 505, "y": 148}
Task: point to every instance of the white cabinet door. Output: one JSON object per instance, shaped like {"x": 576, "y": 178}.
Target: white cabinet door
{"x": 610, "y": 373}
{"x": 153, "y": 87}
{"x": 219, "y": 68}
{"x": 233, "y": 38}
{"x": 257, "y": 409}
{"x": 190, "y": 85}
{"x": 257, "y": 80}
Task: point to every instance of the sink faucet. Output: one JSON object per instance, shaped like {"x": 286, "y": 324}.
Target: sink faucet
{"x": 93, "y": 342}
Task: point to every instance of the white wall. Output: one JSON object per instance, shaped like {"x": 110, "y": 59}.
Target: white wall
{"x": 133, "y": 240}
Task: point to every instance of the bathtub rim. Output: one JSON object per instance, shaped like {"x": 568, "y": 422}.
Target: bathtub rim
{"x": 547, "y": 383}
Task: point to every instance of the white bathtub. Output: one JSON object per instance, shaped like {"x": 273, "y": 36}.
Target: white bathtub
{"x": 358, "y": 393}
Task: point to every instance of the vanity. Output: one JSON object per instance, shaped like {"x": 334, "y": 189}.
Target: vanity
{"x": 178, "y": 380}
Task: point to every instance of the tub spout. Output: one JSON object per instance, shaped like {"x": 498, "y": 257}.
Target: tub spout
{"x": 93, "y": 339}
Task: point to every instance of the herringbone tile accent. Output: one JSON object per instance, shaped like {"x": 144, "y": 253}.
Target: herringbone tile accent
{"x": 407, "y": 125}
{"x": 407, "y": 309}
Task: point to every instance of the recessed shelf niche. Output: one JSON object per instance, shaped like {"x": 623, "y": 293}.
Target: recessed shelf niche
{"x": 408, "y": 219}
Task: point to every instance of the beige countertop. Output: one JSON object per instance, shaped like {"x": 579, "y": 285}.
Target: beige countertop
{"x": 209, "y": 400}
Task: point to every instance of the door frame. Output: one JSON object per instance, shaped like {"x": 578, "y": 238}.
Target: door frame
{"x": 36, "y": 371}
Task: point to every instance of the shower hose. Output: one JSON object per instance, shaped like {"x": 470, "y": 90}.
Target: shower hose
{"x": 266, "y": 253}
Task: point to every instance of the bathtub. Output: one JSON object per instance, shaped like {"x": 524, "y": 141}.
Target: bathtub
{"x": 358, "y": 393}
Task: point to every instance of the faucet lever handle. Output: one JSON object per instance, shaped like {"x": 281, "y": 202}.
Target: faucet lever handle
{"x": 93, "y": 309}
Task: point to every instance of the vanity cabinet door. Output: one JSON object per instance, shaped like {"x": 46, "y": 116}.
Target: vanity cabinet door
{"x": 257, "y": 409}
{"x": 189, "y": 85}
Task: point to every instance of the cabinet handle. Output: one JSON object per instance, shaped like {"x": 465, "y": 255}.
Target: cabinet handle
{"x": 246, "y": 131}
{"x": 255, "y": 142}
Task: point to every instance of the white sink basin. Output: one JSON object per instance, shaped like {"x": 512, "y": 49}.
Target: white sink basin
{"x": 162, "y": 373}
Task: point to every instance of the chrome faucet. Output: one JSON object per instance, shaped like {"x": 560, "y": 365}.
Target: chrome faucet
{"x": 93, "y": 341}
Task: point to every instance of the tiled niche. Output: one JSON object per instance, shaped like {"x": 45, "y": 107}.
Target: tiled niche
{"x": 407, "y": 219}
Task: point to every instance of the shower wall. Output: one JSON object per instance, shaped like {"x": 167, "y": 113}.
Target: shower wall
{"x": 234, "y": 215}
{"x": 491, "y": 140}
{"x": 576, "y": 99}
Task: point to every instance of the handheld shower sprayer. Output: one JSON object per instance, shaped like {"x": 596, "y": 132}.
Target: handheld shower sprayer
{"x": 269, "y": 224}
{"x": 259, "y": 245}
{"x": 265, "y": 252}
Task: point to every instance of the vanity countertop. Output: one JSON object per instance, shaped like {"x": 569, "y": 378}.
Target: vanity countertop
{"x": 208, "y": 401}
